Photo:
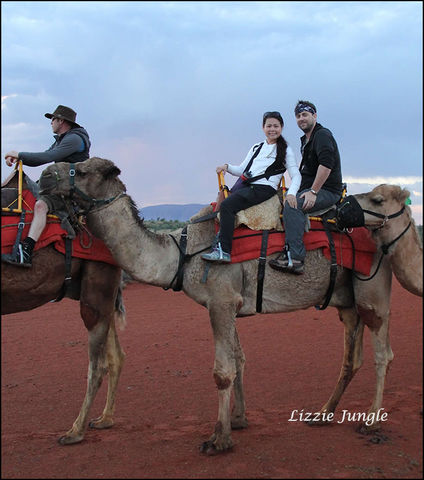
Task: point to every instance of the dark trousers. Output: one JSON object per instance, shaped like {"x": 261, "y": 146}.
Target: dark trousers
{"x": 294, "y": 220}
{"x": 240, "y": 200}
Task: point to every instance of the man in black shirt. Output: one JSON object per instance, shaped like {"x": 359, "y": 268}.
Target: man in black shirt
{"x": 320, "y": 188}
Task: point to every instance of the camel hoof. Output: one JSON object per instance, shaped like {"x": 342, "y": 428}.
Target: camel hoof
{"x": 101, "y": 423}
{"x": 211, "y": 451}
{"x": 204, "y": 447}
{"x": 318, "y": 420}
{"x": 367, "y": 429}
{"x": 70, "y": 440}
{"x": 238, "y": 423}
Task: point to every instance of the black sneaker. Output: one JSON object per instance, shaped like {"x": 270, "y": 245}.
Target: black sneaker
{"x": 22, "y": 258}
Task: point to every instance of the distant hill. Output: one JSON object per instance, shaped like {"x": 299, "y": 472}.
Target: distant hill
{"x": 181, "y": 213}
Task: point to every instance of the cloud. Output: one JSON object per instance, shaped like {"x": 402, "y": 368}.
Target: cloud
{"x": 170, "y": 90}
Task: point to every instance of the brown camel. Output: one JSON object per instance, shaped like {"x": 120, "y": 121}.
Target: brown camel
{"x": 97, "y": 287}
{"x": 230, "y": 290}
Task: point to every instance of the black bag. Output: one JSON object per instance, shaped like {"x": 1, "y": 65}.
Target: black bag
{"x": 349, "y": 213}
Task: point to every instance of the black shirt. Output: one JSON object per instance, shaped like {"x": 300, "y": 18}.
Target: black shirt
{"x": 321, "y": 149}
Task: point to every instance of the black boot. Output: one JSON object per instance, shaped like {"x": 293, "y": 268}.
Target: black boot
{"x": 22, "y": 257}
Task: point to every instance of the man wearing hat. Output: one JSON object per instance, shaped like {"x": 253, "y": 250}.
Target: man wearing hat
{"x": 320, "y": 188}
{"x": 72, "y": 144}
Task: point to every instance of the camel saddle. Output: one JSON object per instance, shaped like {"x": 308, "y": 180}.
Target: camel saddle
{"x": 266, "y": 217}
{"x": 85, "y": 245}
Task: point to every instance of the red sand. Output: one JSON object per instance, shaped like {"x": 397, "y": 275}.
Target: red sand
{"x": 167, "y": 401}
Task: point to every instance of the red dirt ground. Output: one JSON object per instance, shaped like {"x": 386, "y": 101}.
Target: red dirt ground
{"x": 167, "y": 401}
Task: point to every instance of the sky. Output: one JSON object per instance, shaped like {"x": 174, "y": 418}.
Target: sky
{"x": 170, "y": 90}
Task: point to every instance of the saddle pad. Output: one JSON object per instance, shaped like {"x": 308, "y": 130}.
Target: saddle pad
{"x": 247, "y": 245}
{"x": 52, "y": 233}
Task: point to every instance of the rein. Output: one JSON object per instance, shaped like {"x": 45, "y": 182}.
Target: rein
{"x": 384, "y": 247}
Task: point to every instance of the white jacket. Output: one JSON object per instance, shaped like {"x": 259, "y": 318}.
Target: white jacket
{"x": 265, "y": 158}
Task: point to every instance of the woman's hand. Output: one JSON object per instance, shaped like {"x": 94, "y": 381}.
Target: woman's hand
{"x": 222, "y": 168}
{"x": 291, "y": 200}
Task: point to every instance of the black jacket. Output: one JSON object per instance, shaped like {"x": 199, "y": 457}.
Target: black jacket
{"x": 321, "y": 150}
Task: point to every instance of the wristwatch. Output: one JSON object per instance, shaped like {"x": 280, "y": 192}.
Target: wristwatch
{"x": 313, "y": 191}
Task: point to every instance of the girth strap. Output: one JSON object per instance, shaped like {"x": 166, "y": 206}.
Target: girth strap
{"x": 208, "y": 264}
{"x": 333, "y": 269}
{"x": 182, "y": 247}
{"x": 261, "y": 270}
{"x": 68, "y": 270}
{"x": 21, "y": 226}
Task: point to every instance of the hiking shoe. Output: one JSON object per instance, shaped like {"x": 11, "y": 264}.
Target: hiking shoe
{"x": 217, "y": 256}
{"x": 283, "y": 265}
{"x": 22, "y": 257}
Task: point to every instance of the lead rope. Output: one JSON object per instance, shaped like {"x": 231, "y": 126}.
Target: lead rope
{"x": 385, "y": 250}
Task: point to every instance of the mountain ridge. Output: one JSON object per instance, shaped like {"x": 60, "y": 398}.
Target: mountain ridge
{"x": 181, "y": 213}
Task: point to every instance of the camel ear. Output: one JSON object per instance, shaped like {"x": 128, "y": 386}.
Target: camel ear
{"x": 111, "y": 172}
{"x": 403, "y": 195}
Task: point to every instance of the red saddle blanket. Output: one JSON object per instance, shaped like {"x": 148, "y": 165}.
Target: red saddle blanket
{"x": 53, "y": 233}
{"x": 249, "y": 248}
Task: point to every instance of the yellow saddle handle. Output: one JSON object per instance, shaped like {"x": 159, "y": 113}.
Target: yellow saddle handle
{"x": 222, "y": 186}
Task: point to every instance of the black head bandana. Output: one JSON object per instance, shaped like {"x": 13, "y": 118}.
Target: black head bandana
{"x": 303, "y": 107}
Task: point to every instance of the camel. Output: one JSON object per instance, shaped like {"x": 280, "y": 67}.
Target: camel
{"x": 97, "y": 287}
{"x": 229, "y": 291}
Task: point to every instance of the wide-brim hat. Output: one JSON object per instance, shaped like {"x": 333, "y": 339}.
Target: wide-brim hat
{"x": 64, "y": 113}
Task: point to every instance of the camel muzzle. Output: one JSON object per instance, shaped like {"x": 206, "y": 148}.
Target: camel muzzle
{"x": 48, "y": 181}
{"x": 349, "y": 213}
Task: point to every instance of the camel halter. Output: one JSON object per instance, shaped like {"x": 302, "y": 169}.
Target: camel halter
{"x": 384, "y": 247}
{"x": 93, "y": 202}
{"x": 385, "y": 218}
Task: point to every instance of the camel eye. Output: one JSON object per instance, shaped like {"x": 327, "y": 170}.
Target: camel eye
{"x": 377, "y": 200}
{"x": 81, "y": 174}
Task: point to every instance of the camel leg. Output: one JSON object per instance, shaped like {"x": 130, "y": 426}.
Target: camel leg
{"x": 115, "y": 358}
{"x": 99, "y": 286}
{"x": 238, "y": 417}
{"x": 97, "y": 370}
{"x": 222, "y": 315}
{"x": 352, "y": 362}
{"x": 373, "y": 305}
{"x": 383, "y": 356}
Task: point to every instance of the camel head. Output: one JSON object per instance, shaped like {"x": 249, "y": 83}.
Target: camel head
{"x": 96, "y": 178}
{"x": 384, "y": 200}
{"x": 373, "y": 209}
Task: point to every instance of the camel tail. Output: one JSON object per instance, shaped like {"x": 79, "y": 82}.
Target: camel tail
{"x": 120, "y": 317}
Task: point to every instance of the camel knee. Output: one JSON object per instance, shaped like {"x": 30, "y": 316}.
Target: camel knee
{"x": 223, "y": 381}
{"x": 373, "y": 319}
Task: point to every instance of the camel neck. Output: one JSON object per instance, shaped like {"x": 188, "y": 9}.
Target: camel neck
{"x": 148, "y": 257}
{"x": 405, "y": 255}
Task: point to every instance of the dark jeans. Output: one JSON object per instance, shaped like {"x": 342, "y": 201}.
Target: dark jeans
{"x": 240, "y": 200}
{"x": 294, "y": 220}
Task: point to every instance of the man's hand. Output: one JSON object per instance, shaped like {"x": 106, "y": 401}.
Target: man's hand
{"x": 309, "y": 201}
{"x": 11, "y": 158}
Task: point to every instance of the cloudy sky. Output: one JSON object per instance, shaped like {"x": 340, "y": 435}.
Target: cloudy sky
{"x": 170, "y": 90}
